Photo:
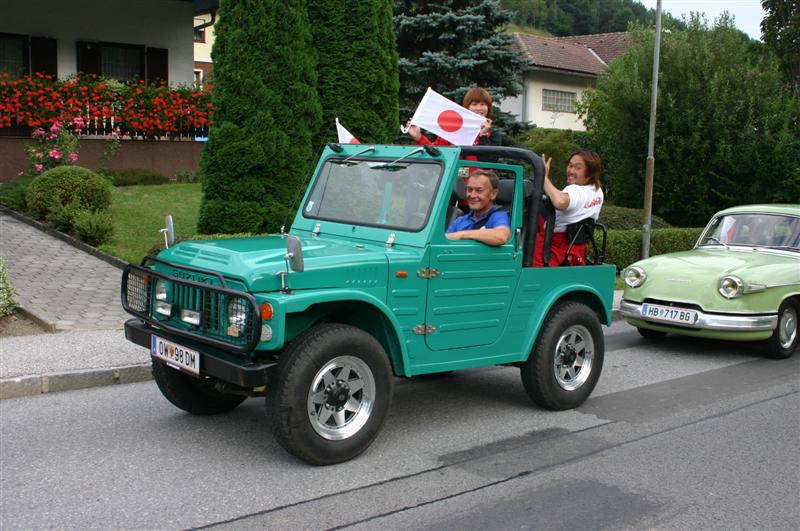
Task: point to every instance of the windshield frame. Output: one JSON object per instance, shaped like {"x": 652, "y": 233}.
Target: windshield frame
{"x": 373, "y": 162}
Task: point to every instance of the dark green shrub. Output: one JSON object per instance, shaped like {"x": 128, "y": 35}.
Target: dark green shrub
{"x": 134, "y": 176}
{"x": 66, "y": 185}
{"x": 266, "y": 113}
{"x": 62, "y": 217}
{"x": 12, "y": 193}
{"x": 93, "y": 227}
{"x": 622, "y": 218}
{"x": 625, "y": 246}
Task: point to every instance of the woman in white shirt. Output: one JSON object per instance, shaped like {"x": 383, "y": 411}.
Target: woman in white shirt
{"x": 582, "y": 198}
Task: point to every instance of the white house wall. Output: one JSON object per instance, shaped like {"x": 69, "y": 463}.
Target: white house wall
{"x": 528, "y": 106}
{"x": 154, "y": 23}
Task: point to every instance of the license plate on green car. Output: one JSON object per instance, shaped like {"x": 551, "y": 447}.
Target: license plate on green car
{"x": 176, "y": 356}
{"x": 669, "y": 314}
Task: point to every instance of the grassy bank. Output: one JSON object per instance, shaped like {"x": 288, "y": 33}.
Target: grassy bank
{"x": 138, "y": 213}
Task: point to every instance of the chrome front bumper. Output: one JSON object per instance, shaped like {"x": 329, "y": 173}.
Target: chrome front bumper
{"x": 707, "y": 321}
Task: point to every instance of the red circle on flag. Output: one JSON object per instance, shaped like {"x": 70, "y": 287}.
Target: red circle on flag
{"x": 450, "y": 121}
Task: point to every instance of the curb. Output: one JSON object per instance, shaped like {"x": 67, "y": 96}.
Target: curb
{"x": 49, "y": 326}
{"x": 66, "y": 238}
{"x": 73, "y": 380}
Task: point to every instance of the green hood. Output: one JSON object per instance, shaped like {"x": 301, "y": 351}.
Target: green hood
{"x": 693, "y": 276}
{"x": 256, "y": 262}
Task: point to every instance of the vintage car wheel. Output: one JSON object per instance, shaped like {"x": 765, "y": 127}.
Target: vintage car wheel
{"x": 567, "y": 358}
{"x": 331, "y": 394}
{"x": 650, "y": 334}
{"x": 195, "y": 395}
{"x": 784, "y": 340}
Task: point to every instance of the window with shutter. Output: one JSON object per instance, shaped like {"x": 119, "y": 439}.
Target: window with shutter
{"x": 14, "y": 55}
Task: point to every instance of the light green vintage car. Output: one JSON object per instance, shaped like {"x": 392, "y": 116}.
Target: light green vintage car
{"x": 741, "y": 282}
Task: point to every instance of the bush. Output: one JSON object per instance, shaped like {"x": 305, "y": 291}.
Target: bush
{"x": 12, "y": 193}
{"x": 67, "y": 185}
{"x": 93, "y": 227}
{"x": 134, "y": 176}
{"x": 62, "y": 217}
{"x": 622, "y": 218}
{"x": 7, "y": 301}
{"x": 625, "y": 246}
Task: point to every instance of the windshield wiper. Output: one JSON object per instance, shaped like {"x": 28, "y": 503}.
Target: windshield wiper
{"x": 346, "y": 162}
{"x": 390, "y": 165}
{"x": 718, "y": 241}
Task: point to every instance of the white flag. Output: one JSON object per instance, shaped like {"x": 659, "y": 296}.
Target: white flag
{"x": 447, "y": 119}
{"x": 345, "y": 136}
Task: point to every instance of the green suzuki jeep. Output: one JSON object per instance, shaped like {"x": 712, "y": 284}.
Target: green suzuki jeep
{"x": 363, "y": 288}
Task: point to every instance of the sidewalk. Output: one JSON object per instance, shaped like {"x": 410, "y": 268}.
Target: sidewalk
{"x": 76, "y": 296}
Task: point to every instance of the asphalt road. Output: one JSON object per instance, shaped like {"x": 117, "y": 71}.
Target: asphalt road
{"x": 679, "y": 434}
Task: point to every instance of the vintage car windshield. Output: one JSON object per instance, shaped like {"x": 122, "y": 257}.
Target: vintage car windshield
{"x": 754, "y": 230}
{"x": 375, "y": 193}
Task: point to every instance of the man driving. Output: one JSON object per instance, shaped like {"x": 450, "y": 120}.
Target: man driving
{"x": 485, "y": 222}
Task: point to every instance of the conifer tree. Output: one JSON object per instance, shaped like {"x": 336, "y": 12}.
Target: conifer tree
{"x": 452, "y": 45}
{"x": 266, "y": 111}
{"x": 357, "y": 73}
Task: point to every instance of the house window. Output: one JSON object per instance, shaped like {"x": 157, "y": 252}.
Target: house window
{"x": 198, "y": 79}
{"x": 13, "y": 55}
{"x": 558, "y": 101}
{"x": 125, "y": 62}
{"x": 199, "y": 33}
{"x": 121, "y": 62}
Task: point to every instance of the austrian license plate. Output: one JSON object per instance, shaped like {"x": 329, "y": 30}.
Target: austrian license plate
{"x": 669, "y": 314}
{"x": 175, "y": 355}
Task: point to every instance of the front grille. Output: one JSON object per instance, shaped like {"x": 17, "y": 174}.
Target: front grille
{"x": 229, "y": 319}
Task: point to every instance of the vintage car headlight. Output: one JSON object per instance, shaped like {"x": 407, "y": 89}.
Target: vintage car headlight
{"x": 634, "y": 276}
{"x": 237, "y": 314}
{"x": 730, "y": 287}
{"x": 161, "y": 290}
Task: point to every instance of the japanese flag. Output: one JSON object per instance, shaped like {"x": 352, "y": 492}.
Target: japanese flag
{"x": 447, "y": 119}
{"x": 345, "y": 136}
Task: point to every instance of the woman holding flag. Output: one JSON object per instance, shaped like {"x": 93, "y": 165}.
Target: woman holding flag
{"x": 477, "y": 100}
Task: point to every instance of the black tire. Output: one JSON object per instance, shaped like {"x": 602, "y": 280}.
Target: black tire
{"x": 195, "y": 395}
{"x": 547, "y": 379}
{"x": 650, "y": 334}
{"x": 784, "y": 340}
{"x": 315, "y": 415}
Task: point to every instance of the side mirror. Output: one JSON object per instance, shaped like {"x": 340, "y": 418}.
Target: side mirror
{"x": 168, "y": 231}
{"x": 294, "y": 253}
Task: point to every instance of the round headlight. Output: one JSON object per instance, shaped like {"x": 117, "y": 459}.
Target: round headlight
{"x": 730, "y": 287}
{"x": 161, "y": 290}
{"x": 634, "y": 276}
{"x": 237, "y": 314}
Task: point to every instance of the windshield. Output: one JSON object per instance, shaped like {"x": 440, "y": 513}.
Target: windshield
{"x": 754, "y": 230}
{"x": 374, "y": 193}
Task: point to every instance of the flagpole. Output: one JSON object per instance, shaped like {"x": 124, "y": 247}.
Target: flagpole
{"x": 651, "y": 161}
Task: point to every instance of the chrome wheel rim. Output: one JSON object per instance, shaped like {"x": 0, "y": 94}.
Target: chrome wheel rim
{"x": 787, "y": 328}
{"x": 341, "y": 398}
{"x": 573, "y": 358}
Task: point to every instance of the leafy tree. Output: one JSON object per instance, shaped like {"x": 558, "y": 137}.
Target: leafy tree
{"x": 780, "y": 30}
{"x": 452, "y": 45}
{"x": 266, "y": 112}
{"x": 358, "y": 72}
{"x": 726, "y": 129}
{"x": 580, "y": 17}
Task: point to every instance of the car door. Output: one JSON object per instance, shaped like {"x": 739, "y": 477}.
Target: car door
{"x": 471, "y": 285}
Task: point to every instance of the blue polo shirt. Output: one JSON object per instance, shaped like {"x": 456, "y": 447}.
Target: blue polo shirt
{"x": 497, "y": 218}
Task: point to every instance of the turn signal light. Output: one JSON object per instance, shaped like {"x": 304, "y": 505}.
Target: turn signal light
{"x": 266, "y": 311}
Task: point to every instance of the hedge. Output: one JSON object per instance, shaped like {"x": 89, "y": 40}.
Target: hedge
{"x": 625, "y": 246}
{"x": 135, "y": 176}
{"x": 65, "y": 185}
{"x": 7, "y": 301}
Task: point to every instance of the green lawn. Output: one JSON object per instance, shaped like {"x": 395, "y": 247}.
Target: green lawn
{"x": 138, "y": 213}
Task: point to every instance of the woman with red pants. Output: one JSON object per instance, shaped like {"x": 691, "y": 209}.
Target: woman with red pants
{"x": 582, "y": 198}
